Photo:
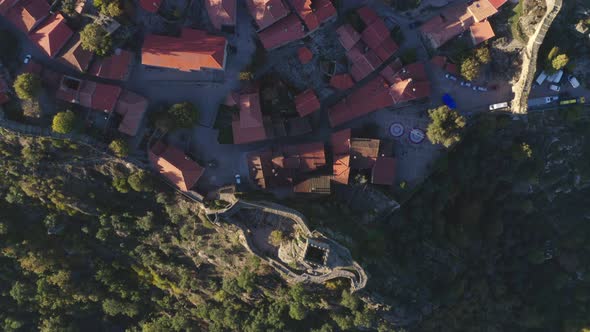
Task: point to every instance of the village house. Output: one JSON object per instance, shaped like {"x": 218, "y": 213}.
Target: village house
{"x": 459, "y": 18}
{"x": 26, "y": 15}
{"x": 222, "y": 13}
{"x": 178, "y": 169}
{"x": 52, "y": 36}
{"x": 193, "y": 50}
{"x": 114, "y": 67}
{"x": 248, "y": 126}
{"x": 75, "y": 56}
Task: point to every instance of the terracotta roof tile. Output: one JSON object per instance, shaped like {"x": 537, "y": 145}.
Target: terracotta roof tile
{"x": 370, "y": 97}
{"x": 26, "y": 15}
{"x": 194, "y": 50}
{"x": 53, "y": 35}
{"x": 282, "y": 32}
{"x": 76, "y": 56}
{"x": 173, "y": 164}
{"x": 249, "y": 126}
{"x": 383, "y": 171}
{"x": 386, "y": 49}
{"x": 363, "y": 152}
{"x": 340, "y": 141}
{"x": 439, "y": 61}
{"x": 267, "y": 12}
{"x": 342, "y": 81}
{"x": 314, "y": 185}
{"x": 375, "y": 33}
{"x": 497, "y": 3}
{"x": 114, "y": 67}
{"x": 221, "y": 12}
{"x": 362, "y": 63}
{"x": 481, "y": 32}
{"x": 132, "y": 108}
{"x": 5, "y": 5}
{"x": 481, "y": 9}
{"x": 307, "y": 102}
{"x": 348, "y": 36}
{"x": 313, "y": 13}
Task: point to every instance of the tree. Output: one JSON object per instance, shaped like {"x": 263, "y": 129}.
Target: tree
{"x": 297, "y": 311}
{"x": 560, "y": 61}
{"x": 121, "y": 185}
{"x": 68, "y": 7}
{"x": 140, "y": 181}
{"x": 27, "y": 86}
{"x": 64, "y": 122}
{"x": 119, "y": 147}
{"x": 276, "y": 237}
{"x": 470, "y": 69}
{"x": 445, "y": 126}
{"x": 349, "y": 300}
{"x": 183, "y": 115}
{"x": 483, "y": 55}
{"x": 95, "y": 39}
{"x": 113, "y": 9}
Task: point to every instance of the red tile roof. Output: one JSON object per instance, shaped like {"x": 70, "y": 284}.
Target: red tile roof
{"x": 193, "y": 50}
{"x": 363, "y": 63}
{"x": 282, "y": 32}
{"x": 375, "y": 33}
{"x": 481, "y": 32}
{"x": 249, "y": 126}
{"x": 340, "y": 141}
{"x": 452, "y": 68}
{"x": 314, "y": 185}
{"x": 386, "y": 49}
{"x": 383, "y": 171}
{"x": 315, "y": 12}
{"x": 307, "y": 102}
{"x": 497, "y": 3}
{"x": 363, "y": 152}
{"x": 221, "y": 12}
{"x": 367, "y": 14}
{"x": 348, "y": 36}
{"x": 53, "y": 35}
{"x": 76, "y": 56}
{"x": 132, "y": 107}
{"x": 304, "y": 55}
{"x": 151, "y": 6}
{"x": 342, "y": 81}
{"x": 27, "y": 14}
{"x": 409, "y": 90}
{"x": 311, "y": 156}
{"x": 456, "y": 19}
{"x": 173, "y": 164}
{"x": 267, "y": 12}
{"x": 97, "y": 96}
{"x": 341, "y": 169}
{"x": 368, "y": 98}
{"x": 5, "y": 5}
{"x": 114, "y": 67}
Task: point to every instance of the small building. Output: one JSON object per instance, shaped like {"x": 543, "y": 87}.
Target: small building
{"x": 194, "y": 50}
{"x": 410, "y": 83}
{"x": 248, "y": 126}
{"x": 114, "y": 67}
{"x": 132, "y": 107}
{"x": 6, "y": 5}
{"x": 97, "y": 96}
{"x": 316, "y": 252}
{"x": 383, "y": 171}
{"x": 306, "y": 103}
{"x": 282, "y": 32}
{"x": 348, "y": 36}
{"x": 52, "y": 36}
{"x": 222, "y": 13}
{"x": 314, "y": 12}
{"x": 26, "y": 15}
{"x": 341, "y": 81}
{"x": 370, "y": 97}
{"x": 175, "y": 166}
{"x": 481, "y": 32}
{"x": 267, "y": 12}
{"x": 76, "y": 56}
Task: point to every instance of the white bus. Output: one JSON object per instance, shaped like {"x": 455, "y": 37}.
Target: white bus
{"x": 499, "y": 106}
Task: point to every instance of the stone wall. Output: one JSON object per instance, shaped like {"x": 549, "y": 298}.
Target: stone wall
{"x": 523, "y": 86}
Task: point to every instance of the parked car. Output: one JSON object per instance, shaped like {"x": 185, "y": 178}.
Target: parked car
{"x": 238, "y": 179}
{"x": 450, "y": 77}
{"x": 465, "y": 83}
{"x": 27, "y": 58}
{"x": 573, "y": 81}
{"x": 542, "y": 77}
{"x": 554, "y": 87}
{"x": 482, "y": 88}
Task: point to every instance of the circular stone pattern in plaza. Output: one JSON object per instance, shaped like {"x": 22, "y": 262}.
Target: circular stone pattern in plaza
{"x": 417, "y": 136}
{"x": 396, "y": 130}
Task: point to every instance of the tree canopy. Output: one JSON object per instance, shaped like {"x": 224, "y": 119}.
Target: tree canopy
{"x": 559, "y": 61}
{"x": 445, "y": 127}
{"x": 64, "y": 122}
{"x": 95, "y": 39}
{"x": 119, "y": 147}
{"x": 470, "y": 68}
{"x": 183, "y": 115}
{"x": 27, "y": 86}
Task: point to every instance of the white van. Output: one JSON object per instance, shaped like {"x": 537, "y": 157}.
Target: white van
{"x": 573, "y": 81}
{"x": 558, "y": 76}
{"x": 541, "y": 78}
{"x": 498, "y": 106}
